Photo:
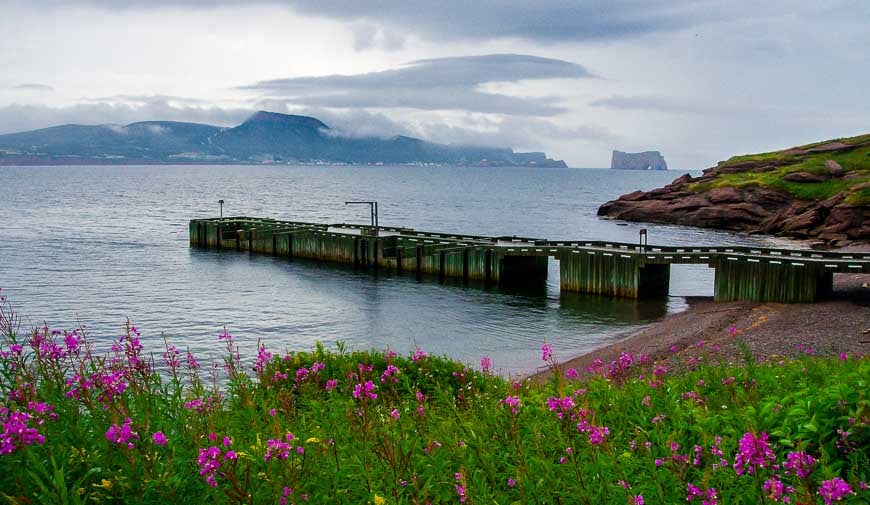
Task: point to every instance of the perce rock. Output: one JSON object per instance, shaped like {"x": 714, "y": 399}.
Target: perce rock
{"x": 647, "y": 160}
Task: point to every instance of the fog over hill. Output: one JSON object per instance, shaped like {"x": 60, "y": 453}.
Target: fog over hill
{"x": 265, "y": 137}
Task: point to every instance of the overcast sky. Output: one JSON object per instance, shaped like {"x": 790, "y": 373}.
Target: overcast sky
{"x": 698, "y": 80}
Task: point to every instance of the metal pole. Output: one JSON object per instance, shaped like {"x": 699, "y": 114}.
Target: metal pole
{"x": 221, "y": 202}
{"x": 373, "y": 213}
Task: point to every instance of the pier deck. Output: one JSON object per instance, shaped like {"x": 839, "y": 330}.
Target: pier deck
{"x": 599, "y": 267}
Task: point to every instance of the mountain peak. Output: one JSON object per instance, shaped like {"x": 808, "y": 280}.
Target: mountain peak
{"x": 263, "y": 116}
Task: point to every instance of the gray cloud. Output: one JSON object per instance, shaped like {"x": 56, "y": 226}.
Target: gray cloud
{"x": 653, "y": 103}
{"x": 369, "y": 36}
{"x": 525, "y": 133}
{"x": 431, "y": 84}
{"x": 22, "y": 117}
{"x": 541, "y": 20}
{"x": 33, "y": 86}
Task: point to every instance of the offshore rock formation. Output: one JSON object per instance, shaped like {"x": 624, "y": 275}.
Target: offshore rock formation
{"x": 819, "y": 192}
{"x": 647, "y": 160}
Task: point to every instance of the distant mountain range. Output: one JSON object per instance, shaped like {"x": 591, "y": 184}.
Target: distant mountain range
{"x": 266, "y": 137}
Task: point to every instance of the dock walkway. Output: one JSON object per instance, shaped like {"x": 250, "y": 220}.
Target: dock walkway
{"x": 599, "y": 267}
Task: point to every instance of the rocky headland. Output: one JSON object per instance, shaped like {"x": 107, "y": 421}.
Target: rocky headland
{"x": 647, "y": 160}
{"x": 818, "y": 192}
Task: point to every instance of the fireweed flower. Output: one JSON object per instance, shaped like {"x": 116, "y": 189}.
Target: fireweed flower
{"x": 460, "y": 490}
{"x": 597, "y": 434}
{"x": 834, "y": 490}
{"x": 365, "y": 390}
{"x": 776, "y": 491}
{"x": 170, "y": 357}
{"x": 561, "y": 406}
{"x": 513, "y": 402}
{"x": 546, "y": 352}
{"x": 799, "y": 463}
{"x": 753, "y": 452}
{"x": 418, "y": 355}
{"x": 638, "y": 500}
{"x": 192, "y": 363}
{"x": 159, "y": 438}
{"x": 122, "y": 435}
{"x": 16, "y": 433}
{"x": 390, "y": 374}
{"x": 330, "y": 384}
{"x": 263, "y": 358}
{"x": 571, "y": 373}
{"x": 485, "y": 363}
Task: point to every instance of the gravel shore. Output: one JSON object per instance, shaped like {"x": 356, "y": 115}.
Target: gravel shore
{"x": 841, "y": 324}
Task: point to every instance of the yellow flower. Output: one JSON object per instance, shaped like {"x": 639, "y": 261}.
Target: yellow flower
{"x": 105, "y": 484}
{"x": 379, "y": 500}
{"x": 313, "y": 440}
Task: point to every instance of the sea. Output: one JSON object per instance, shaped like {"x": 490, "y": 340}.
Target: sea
{"x": 100, "y": 245}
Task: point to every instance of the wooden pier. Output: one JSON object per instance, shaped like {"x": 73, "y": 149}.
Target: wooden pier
{"x": 605, "y": 268}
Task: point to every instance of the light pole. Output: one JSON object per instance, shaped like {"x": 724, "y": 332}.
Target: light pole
{"x": 642, "y": 237}
{"x": 221, "y": 202}
{"x": 373, "y": 209}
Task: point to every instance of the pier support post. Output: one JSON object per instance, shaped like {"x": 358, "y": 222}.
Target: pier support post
{"x": 442, "y": 265}
{"x": 400, "y": 257}
{"x": 356, "y": 254}
{"x": 290, "y": 246}
{"x": 465, "y": 265}
{"x": 487, "y": 266}
{"x": 376, "y": 243}
{"x": 605, "y": 273}
{"x": 769, "y": 282}
{"x": 419, "y": 251}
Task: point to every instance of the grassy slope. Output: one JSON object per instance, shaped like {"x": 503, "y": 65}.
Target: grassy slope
{"x": 853, "y": 161}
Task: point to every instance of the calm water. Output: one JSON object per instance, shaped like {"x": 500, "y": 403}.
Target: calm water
{"x": 100, "y": 244}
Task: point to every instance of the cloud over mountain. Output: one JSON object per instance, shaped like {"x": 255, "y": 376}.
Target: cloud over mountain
{"x": 431, "y": 84}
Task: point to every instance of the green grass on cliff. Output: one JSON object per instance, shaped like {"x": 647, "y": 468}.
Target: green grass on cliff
{"x": 855, "y": 161}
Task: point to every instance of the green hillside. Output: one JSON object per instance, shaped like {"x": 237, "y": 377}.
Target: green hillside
{"x": 769, "y": 170}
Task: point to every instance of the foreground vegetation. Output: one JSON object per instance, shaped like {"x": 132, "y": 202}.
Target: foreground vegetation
{"x": 374, "y": 427}
{"x": 855, "y": 163}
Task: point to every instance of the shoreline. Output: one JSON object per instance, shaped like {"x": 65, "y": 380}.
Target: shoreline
{"x": 833, "y": 326}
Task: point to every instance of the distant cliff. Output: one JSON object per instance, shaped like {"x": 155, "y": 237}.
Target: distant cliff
{"x": 266, "y": 137}
{"x": 818, "y": 191}
{"x": 647, "y": 160}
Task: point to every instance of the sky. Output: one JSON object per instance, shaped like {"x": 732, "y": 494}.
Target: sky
{"x": 698, "y": 80}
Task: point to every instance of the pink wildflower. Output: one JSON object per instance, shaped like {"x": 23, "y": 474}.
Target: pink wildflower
{"x": 546, "y": 352}
{"x": 159, "y": 438}
{"x": 753, "y": 452}
{"x": 834, "y": 490}
{"x": 485, "y": 363}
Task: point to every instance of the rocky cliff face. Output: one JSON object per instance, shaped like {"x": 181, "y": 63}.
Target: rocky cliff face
{"x": 768, "y": 194}
{"x": 647, "y": 160}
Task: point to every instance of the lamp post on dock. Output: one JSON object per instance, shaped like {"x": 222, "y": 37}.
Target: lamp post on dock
{"x": 221, "y": 202}
{"x": 642, "y": 238}
{"x": 373, "y": 209}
